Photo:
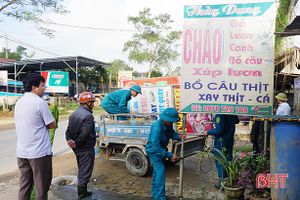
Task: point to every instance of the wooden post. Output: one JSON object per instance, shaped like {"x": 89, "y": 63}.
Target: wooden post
{"x": 180, "y": 192}
{"x": 265, "y": 136}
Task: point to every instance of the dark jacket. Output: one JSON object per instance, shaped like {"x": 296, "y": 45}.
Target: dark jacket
{"x": 224, "y": 129}
{"x": 81, "y": 129}
{"x": 116, "y": 102}
{"x": 158, "y": 140}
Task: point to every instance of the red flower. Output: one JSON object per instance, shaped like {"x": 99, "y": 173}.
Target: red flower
{"x": 243, "y": 155}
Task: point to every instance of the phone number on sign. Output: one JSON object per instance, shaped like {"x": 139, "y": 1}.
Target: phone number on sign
{"x": 221, "y": 109}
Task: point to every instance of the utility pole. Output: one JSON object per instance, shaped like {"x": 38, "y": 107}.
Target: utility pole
{"x": 6, "y": 46}
{"x": 109, "y": 83}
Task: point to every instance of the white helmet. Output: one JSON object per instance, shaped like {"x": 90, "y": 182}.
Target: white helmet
{"x": 46, "y": 98}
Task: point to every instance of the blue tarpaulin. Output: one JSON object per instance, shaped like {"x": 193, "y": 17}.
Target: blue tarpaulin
{"x": 12, "y": 83}
{"x": 10, "y": 94}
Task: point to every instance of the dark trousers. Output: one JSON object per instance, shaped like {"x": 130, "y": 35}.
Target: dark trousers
{"x": 114, "y": 109}
{"x": 158, "y": 177}
{"x": 257, "y": 136}
{"x": 219, "y": 144}
{"x": 37, "y": 171}
{"x": 85, "y": 163}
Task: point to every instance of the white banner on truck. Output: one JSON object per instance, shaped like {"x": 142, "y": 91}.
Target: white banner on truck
{"x": 227, "y": 57}
{"x": 153, "y": 99}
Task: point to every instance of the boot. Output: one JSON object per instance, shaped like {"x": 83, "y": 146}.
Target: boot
{"x": 82, "y": 192}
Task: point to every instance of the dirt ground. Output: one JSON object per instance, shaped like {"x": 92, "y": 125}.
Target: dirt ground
{"x": 112, "y": 176}
{"x": 6, "y": 114}
{"x": 6, "y": 121}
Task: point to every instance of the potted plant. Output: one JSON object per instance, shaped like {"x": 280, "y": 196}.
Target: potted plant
{"x": 233, "y": 189}
{"x": 252, "y": 165}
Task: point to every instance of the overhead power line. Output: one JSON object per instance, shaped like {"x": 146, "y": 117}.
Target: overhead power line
{"x": 93, "y": 28}
{"x": 27, "y": 44}
{"x": 10, "y": 38}
{"x": 99, "y": 28}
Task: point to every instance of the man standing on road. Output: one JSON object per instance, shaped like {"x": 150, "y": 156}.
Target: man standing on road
{"x": 55, "y": 113}
{"x": 34, "y": 154}
{"x": 116, "y": 102}
{"x": 81, "y": 137}
{"x": 161, "y": 132}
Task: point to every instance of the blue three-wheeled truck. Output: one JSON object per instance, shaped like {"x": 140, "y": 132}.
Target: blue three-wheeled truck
{"x": 126, "y": 140}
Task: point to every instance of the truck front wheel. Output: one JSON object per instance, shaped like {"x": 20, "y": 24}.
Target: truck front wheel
{"x": 137, "y": 162}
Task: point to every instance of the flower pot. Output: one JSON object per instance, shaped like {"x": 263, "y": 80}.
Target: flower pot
{"x": 233, "y": 193}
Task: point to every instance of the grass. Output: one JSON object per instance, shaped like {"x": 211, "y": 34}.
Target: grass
{"x": 68, "y": 108}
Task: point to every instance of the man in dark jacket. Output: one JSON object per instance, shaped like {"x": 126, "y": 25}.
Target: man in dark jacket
{"x": 223, "y": 140}
{"x": 81, "y": 137}
{"x": 161, "y": 132}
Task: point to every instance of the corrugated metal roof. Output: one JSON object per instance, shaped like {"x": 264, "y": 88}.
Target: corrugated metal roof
{"x": 51, "y": 64}
{"x": 292, "y": 29}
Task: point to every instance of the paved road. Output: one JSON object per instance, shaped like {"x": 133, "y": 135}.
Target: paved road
{"x": 8, "y": 142}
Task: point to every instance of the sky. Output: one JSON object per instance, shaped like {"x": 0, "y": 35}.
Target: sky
{"x": 97, "y": 44}
{"x": 102, "y": 45}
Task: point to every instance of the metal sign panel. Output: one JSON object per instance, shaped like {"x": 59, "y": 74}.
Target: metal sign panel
{"x": 157, "y": 81}
{"x": 227, "y": 58}
{"x": 123, "y": 76}
{"x": 56, "y": 81}
{"x": 296, "y": 106}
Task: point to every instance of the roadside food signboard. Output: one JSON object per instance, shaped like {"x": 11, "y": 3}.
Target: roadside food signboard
{"x": 56, "y": 81}
{"x": 153, "y": 100}
{"x": 227, "y": 57}
{"x": 3, "y": 77}
{"x": 123, "y": 76}
{"x": 196, "y": 123}
{"x": 157, "y": 81}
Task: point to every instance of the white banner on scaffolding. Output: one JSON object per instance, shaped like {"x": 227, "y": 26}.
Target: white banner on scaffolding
{"x": 3, "y": 77}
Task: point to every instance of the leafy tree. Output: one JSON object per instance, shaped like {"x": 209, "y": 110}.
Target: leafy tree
{"x": 135, "y": 74}
{"x": 154, "y": 44}
{"x": 19, "y": 54}
{"x": 92, "y": 76}
{"x": 156, "y": 73}
{"x": 173, "y": 72}
{"x": 32, "y": 11}
{"x": 116, "y": 66}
